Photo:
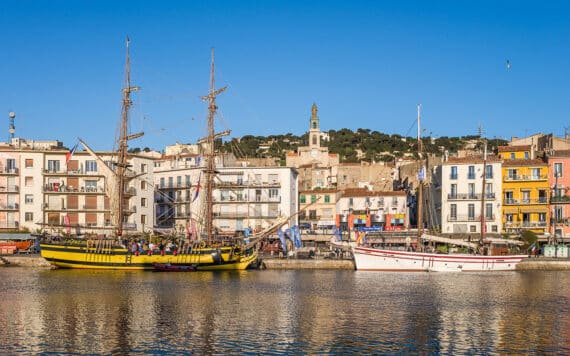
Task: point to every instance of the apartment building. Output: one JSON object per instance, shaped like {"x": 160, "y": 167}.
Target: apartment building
{"x": 462, "y": 199}
{"x": 318, "y": 208}
{"x": 360, "y": 207}
{"x": 525, "y": 190}
{"x": 243, "y": 197}
{"x": 44, "y": 190}
{"x": 559, "y": 181}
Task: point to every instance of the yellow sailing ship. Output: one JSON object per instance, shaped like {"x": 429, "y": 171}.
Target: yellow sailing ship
{"x": 210, "y": 253}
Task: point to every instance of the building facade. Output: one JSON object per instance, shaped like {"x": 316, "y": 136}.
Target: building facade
{"x": 462, "y": 198}
{"x": 559, "y": 181}
{"x": 525, "y": 191}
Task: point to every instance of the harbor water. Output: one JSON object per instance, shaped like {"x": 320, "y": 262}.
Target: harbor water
{"x": 283, "y": 312}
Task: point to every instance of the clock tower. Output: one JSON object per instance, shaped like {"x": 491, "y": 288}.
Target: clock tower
{"x": 314, "y": 130}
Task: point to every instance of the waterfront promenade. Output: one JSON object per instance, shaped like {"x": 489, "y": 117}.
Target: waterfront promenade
{"x": 272, "y": 263}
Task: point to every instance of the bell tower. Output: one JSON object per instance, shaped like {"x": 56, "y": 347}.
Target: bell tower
{"x": 314, "y": 130}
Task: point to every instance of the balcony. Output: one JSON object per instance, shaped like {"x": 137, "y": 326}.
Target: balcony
{"x": 520, "y": 177}
{"x": 129, "y": 192}
{"x": 10, "y": 189}
{"x": 9, "y": 207}
{"x": 173, "y": 186}
{"x": 464, "y": 196}
{"x": 9, "y": 171}
{"x": 453, "y": 176}
{"x": 526, "y": 225}
{"x": 560, "y": 199}
{"x": 467, "y": 218}
{"x": 130, "y": 210}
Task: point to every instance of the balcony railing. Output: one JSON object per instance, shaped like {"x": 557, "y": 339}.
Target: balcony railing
{"x": 523, "y": 177}
{"x": 9, "y": 171}
{"x": 464, "y": 196}
{"x": 526, "y": 224}
{"x": 526, "y": 201}
{"x": 560, "y": 199}
{"x": 13, "y": 206}
{"x": 10, "y": 189}
{"x": 462, "y": 218}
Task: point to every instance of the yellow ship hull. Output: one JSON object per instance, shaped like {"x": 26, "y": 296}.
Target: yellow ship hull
{"x": 117, "y": 258}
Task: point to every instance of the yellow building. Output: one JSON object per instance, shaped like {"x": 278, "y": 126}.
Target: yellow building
{"x": 525, "y": 191}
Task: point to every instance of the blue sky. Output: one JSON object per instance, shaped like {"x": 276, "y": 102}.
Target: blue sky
{"x": 365, "y": 63}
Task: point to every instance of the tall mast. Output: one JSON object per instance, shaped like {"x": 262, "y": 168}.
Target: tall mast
{"x": 420, "y": 181}
{"x": 123, "y": 142}
{"x": 210, "y": 151}
{"x": 483, "y": 191}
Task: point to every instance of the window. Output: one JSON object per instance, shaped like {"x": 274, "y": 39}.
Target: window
{"x": 29, "y": 163}
{"x": 535, "y": 172}
{"x": 488, "y": 211}
{"x": 542, "y": 217}
{"x": 29, "y": 217}
{"x": 162, "y": 182}
{"x": 489, "y": 190}
{"x": 313, "y": 198}
{"x": 471, "y": 187}
{"x": 90, "y": 166}
{"x": 29, "y": 199}
{"x": 472, "y": 228}
{"x": 143, "y": 185}
{"x": 453, "y": 172}
{"x": 327, "y": 198}
{"x": 29, "y": 181}
{"x": 187, "y": 178}
{"x": 302, "y": 199}
{"x": 143, "y": 219}
{"x": 494, "y": 228}
{"x": 143, "y": 202}
{"x": 489, "y": 172}
{"x": 10, "y": 165}
{"x": 91, "y": 186}
{"x": 557, "y": 169}
{"x": 453, "y": 211}
{"x": 512, "y": 173}
{"x": 471, "y": 172}
{"x": 53, "y": 165}
{"x": 273, "y": 193}
{"x": 526, "y": 155}
{"x": 350, "y": 201}
{"x": 312, "y": 214}
{"x": 471, "y": 211}
{"x": 512, "y": 155}
{"x": 453, "y": 194}
{"x": 170, "y": 182}
{"x": 526, "y": 196}
{"x": 314, "y": 124}
{"x": 143, "y": 168}
{"x": 381, "y": 201}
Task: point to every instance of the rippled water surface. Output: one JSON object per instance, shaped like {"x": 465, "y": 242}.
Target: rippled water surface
{"x": 283, "y": 312}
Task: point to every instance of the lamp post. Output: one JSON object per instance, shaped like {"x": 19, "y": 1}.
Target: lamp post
{"x": 12, "y": 128}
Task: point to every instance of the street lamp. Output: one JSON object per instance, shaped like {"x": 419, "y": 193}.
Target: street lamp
{"x": 12, "y": 128}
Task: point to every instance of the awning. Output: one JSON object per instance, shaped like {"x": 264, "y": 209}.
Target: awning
{"x": 510, "y": 210}
{"x": 534, "y": 210}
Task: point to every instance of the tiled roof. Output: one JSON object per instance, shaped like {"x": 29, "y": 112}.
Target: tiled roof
{"x": 514, "y": 148}
{"x": 363, "y": 192}
{"x": 319, "y": 191}
{"x": 524, "y": 162}
{"x": 472, "y": 159}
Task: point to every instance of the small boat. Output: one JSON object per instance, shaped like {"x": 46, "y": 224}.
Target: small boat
{"x": 167, "y": 267}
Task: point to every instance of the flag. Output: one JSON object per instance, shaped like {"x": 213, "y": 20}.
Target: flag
{"x": 66, "y": 221}
{"x": 422, "y": 174}
{"x": 70, "y": 153}
{"x": 297, "y": 234}
{"x": 198, "y": 160}
{"x": 283, "y": 241}
{"x": 337, "y": 234}
{"x": 533, "y": 247}
{"x": 197, "y": 191}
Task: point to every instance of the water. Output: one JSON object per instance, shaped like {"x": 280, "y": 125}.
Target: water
{"x": 283, "y": 312}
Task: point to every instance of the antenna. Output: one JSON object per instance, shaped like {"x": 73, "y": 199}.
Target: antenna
{"x": 12, "y": 128}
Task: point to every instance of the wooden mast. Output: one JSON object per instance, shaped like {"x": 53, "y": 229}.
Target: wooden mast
{"x": 210, "y": 151}
{"x": 123, "y": 143}
{"x": 420, "y": 182}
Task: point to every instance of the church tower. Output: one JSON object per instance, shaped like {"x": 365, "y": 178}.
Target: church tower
{"x": 314, "y": 130}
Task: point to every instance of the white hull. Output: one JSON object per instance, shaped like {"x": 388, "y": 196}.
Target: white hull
{"x": 374, "y": 259}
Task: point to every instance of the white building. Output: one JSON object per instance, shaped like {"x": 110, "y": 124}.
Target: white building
{"x": 242, "y": 196}
{"x": 45, "y": 191}
{"x": 461, "y": 195}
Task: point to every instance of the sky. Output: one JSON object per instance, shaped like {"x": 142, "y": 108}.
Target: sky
{"x": 366, "y": 64}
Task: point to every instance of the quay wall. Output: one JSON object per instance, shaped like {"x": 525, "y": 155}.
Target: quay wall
{"x": 24, "y": 261}
{"x": 544, "y": 264}
{"x": 279, "y": 263}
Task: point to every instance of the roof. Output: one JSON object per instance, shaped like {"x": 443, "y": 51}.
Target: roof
{"x": 471, "y": 159}
{"x": 363, "y": 192}
{"x": 524, "y": 162}
{"x": 319, "y": 191}
{"x": 514, "y": 148}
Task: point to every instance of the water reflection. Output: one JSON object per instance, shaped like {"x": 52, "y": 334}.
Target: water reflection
{"x": 283, "y": 312}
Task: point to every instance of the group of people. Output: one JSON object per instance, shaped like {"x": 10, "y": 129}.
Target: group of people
{"x": 138, "y": 247}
